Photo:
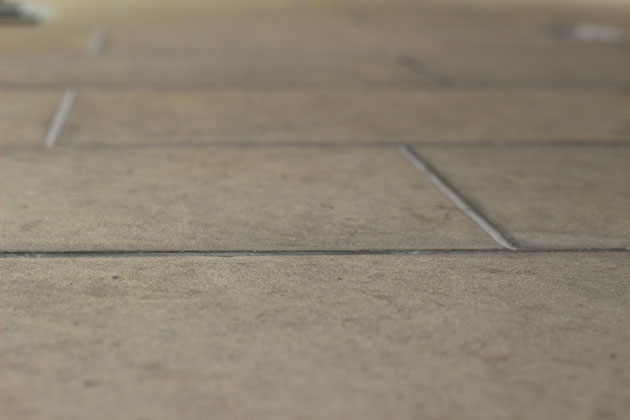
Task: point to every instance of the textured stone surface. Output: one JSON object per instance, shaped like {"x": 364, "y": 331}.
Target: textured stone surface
{"x": 229, "y": 68}
{"x": 224, "y": 198}
{"x": 535, "y": 336}
{"x": 289, "y": 33}
{"x": 40, "y": 38}
{"x": 341, "y": 116}
{"x": 469, "y": 333}
{"x": 505, "y": 45}
{"x": 25, "y": 116}
{"x": 546, "y": 196}
{"x": 509, "y": 66}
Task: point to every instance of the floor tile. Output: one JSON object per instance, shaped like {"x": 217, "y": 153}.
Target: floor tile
{"x": 42, "y": 38}
{"x": 224, "y": 199}
{"x": 506, "y": 46}
{"x": 25, "y": 116}
{"x": 229, "y": 68}
{"x": 546, "y": 196}
{"x": 504, "y": 66}
{"x": 291, "y": 33}
{"x": 442, "y": 24}
{"x": 529, "y": 336}
{"x": 226, "y": 126}
{"x": 375, "y": 115}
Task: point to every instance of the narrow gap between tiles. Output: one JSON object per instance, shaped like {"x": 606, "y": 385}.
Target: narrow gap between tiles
{"x": 61, "y": 117}
{"x": 456, "y": 197}
{"x": 425, "y": 71}
{"x": 295, "y": 253}
{"x": 92, "y": 144}
{"x": 96, "y": 41}
{"x": 211, "y": 87}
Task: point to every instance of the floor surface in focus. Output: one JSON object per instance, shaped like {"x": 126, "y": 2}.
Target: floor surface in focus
{"x": 333, "y": 209}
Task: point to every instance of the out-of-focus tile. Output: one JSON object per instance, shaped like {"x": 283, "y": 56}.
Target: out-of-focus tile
{"x": 504, "y": 46}
{"x": 262, "y": 69}
{"x": 210, "y": 116}
{"x": 25, "y": 116}
{"x": 41, "y": 39}
{"x": 271, "y": 33}
{"x": 516, "y": 66}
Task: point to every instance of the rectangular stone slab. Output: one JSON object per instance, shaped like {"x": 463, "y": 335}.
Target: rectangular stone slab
{"x": 528, "y": 336}
{"x": 507, "y": 46}
{"x": 278, "y": 31}
{"x": 142, "y": 116}
{"x": 224, "y": 199}
{"x": 566, "y": 66}
{"x": 546, "y": 196}
{"x": 443, "y": 25}
{"x": 258, "y": 69}
{"x": 25, "y": 115}
{"x": 45, "y": 37}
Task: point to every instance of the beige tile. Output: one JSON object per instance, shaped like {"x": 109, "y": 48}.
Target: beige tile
{"x": 445, "y": 24}
{"x": 71, "y": 14}
{"x": 533, "y": 336}
{"x": 43, "y": 38}
{"x": 376, "y": 115}
{"x": 504, "y": 46}
{"x": 289, "y": 33}
{"x": 568, "y": 66}
{"x": 269, "y": 51}
{"x": 25, "y": 116}
{"x": 275, "y": 69}
{"x": 222, "y": 199}
{"x": 195, "y": 11}
{"x": 192, "y": 10}
{"x": 546, "y": 196}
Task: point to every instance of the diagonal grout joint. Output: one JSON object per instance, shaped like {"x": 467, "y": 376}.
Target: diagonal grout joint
{"x": 61, "y": 117}
{"x": 96, "y": 42}
{"x": 456, "y": 197}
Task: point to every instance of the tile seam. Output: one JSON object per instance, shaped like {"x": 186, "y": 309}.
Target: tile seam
{"x": 61, "y": 117}
{"x": 295, "y": 253}
{"x": 315, "y": 144}
{"x": 96, "y": 41}
{"x": 456, "y": 197}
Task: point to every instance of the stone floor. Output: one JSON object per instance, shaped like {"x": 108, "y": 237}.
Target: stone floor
{"x": 332, "y": 209}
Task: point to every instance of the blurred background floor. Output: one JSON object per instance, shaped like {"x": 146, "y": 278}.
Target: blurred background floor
{"x": 316, "y": 209}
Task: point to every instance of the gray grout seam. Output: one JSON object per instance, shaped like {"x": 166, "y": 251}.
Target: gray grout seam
{"x": 87, "y": 143}
{"x": 292, "y": 253}
{"x": 427, "y": 73}
{"x": 61, "y": 116}
{"x": 462, "y": 203}
{"x": 406, "y": 87}
{"x": 96, "y": 41}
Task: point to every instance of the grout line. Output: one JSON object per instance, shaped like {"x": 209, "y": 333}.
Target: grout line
{"x": 427, "y": 73}
{"x": 87, "y": 143}
{"x": 293, "y": 253}
{"x": 238, "y": 253}
{"x": 462, "y": 203}
{"x": 297, "y": 87}
{"x": 61, "y": 116}
{"x": 96, "y": 41}
{"x": 521, "y": 143}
